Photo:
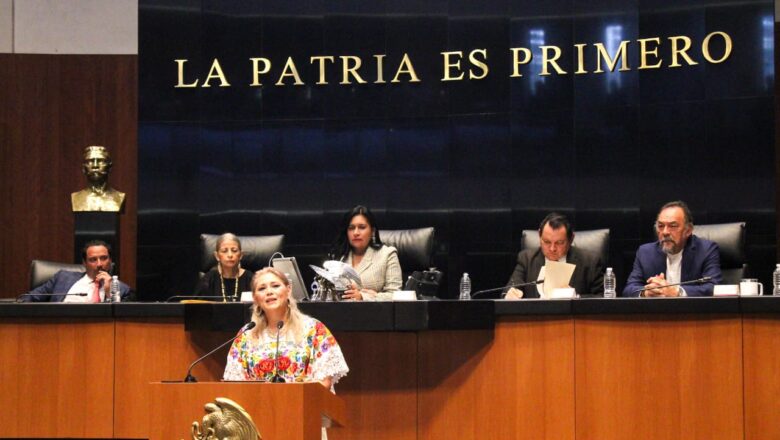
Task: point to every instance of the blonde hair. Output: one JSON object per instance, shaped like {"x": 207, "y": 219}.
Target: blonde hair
{"x": 294, "y": 316}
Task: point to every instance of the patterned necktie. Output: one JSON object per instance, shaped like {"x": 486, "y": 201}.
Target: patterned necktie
{"x": 95, "y": 298}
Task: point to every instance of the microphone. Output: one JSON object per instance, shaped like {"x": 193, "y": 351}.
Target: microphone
{"x": 498, "y": 289}
{"x": 244, "y": 329}
{"x": 276, "y": 378}
{"x": 183, "y": 297}
{"x": 30, "y": 294}
{"x": 696, "y": 281}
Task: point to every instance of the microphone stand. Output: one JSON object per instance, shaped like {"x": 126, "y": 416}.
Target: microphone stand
{"x": 190, "y": 378}
{"x": 498, "y": 289}
{"x": 276, "y": 378}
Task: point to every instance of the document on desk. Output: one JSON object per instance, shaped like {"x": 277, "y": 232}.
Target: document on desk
{"x": 557, "y": 275}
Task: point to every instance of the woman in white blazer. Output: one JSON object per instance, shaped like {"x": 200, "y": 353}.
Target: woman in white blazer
{"x": 358, "y": 244}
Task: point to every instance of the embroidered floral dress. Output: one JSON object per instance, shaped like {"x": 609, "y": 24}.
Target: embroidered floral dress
{"x": 314, "y": 358}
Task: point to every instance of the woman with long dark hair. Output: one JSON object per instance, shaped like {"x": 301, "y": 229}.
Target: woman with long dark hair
{"x": 359, "y": 245}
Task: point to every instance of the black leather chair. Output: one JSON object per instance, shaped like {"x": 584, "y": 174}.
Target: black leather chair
{"x": 731, "y": 241}
{"x": 415, "y": 247}
{"x": 42, "y": 270}
{"x": 256, "y": 249}
{"x": 595, "y": 241}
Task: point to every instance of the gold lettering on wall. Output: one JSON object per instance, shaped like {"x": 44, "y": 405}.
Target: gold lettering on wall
{"x": 321, "y": 61}
{"x": 180, "y": 83}
{"x": 681, "y": 51}
{"x": 257, "y": 71}
{"x": 406, "y": 68}
{"x": 612, "y": 62}
{"x": 477, "y": 62}
{"x": 644, "y": 52}
{"x": 705, "y": 47}
{"x": 580, "y": 59}
{"x": 216, "y": 73}
{"x": 380, "y": 76}
{"x": 349, "y": 67}
{"x": 289, "y": 70}
{"x": 474, "y": 65}
{"x": 517, "y": 61}
{"x": 548, "y": 60}
{"x": 449, "y": 64}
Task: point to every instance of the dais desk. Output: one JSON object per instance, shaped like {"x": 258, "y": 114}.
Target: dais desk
{"x": 564, "y": 369}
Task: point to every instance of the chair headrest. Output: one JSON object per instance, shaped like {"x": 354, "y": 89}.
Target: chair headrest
{"x": 256, "y": 249}
{"x": 730, "y": 238}
{"x": 595, "y": 241}
{"x": 414, "y": 246}
{"x": 42, "y": 270}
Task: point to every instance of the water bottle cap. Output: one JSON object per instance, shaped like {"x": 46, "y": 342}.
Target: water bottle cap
{"x": 115, "y": 277}
{"x": 609, "y": 269}
{"x": 465, "y": 274}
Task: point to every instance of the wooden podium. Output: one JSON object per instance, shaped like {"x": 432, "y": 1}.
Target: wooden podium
{"x": 280, "y": 411}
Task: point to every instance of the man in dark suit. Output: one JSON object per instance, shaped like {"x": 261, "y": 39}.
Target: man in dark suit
{"x": 95, "y": 282}
{"x": 555, "y": 244}
{"x": 677, "y": 256}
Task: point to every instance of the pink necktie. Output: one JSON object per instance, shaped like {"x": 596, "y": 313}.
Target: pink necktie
{"x": 95, "y": 298}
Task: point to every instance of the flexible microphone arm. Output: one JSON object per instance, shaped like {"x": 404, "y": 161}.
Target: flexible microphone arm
{"x": 246, "y": 328}
{"x": 497, "y": 289}
{"x": 696, "y": 281}
{"x": 276, "y": 378}
{"x": 30, "y": 294}
{"x": 184, "y": 297}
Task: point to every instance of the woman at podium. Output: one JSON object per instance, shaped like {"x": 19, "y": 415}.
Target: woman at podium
{"x": 358, "y": 244}
{"x": 285, "y": 345}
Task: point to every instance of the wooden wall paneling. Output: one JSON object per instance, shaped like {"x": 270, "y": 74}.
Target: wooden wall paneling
{"x": 761, "y": 345}
{"x": 59, "y": 105}
{"x": 152, "y": 350}
{"x": 380, "y": 390}
{"x": 57, "y": 378}
{"x": 516, "y": 382}
{"x": 659, "y": 377}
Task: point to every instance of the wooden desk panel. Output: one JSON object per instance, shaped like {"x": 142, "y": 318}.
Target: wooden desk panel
{"x": 56, "y": 377}
{"x": 643, "y": 377}
{"x": 380, "y": 390}
{"x": 151, "y": 350}
{"x": 761, "y": 345}
{"x": 514, "y": 383}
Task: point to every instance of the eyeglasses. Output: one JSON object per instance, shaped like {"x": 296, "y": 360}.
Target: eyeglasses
{"x": 672, "y": 227}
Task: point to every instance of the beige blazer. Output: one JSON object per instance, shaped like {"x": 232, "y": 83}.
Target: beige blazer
{"x": 379, "y": 270}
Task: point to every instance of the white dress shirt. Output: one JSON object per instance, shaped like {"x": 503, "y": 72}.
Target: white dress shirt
{"x": 86, "y": 285}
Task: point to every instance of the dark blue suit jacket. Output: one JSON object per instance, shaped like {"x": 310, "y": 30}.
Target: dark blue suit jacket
{"x": 701, "y": 258}
{"x": 60, "y": 283}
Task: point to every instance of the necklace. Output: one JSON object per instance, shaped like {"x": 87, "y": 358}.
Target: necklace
{"x": 222, "y": 284}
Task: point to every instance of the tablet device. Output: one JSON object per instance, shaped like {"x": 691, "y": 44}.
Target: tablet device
{"x": 289, "y": 267}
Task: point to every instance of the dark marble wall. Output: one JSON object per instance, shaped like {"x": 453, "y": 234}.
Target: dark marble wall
{"x": 478, "y": 159}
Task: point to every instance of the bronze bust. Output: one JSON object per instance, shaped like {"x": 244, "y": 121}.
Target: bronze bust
{"x": 98, "y": 196}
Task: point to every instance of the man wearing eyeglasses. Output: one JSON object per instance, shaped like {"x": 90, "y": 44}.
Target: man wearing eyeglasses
{"x": 555, "y": 238}
{"x": 678, "y": 256}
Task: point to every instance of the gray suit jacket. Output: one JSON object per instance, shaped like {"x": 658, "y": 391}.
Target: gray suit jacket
{"x": 379, "y": 270}
{"x": 587, "y": 279}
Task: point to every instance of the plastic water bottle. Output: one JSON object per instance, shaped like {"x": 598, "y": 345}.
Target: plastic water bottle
{"x": 116, "y": 295}
{"x": 776, "y": 281}
{"x": 465, "y": 287}
{"x": 609, "y": 284}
